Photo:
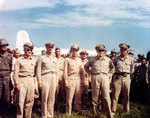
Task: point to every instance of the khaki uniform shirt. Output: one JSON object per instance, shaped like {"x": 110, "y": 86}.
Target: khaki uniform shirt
{"x": 87, "y": 76}
{"x": 122, "y": 65}
{"x": 71, "y": 67}
{"x": 47, "y": 64}
{"x": 103, "y": 65}
{"x": 60, "y": 62}
{"x": 24, "y": 67}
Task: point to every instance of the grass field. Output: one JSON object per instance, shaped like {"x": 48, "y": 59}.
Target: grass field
{"x": 136, "y": 111}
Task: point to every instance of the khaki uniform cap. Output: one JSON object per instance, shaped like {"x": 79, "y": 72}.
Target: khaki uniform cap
{"x": 50, "y": 44}
{"x": 28, "y": 45}
{"x": 83, "y": 52}
{"x": 124, "y": 45}
{"x": 76, "y": 47}
{"x": 10, "y": 50}
{"x": 100, "y": 47}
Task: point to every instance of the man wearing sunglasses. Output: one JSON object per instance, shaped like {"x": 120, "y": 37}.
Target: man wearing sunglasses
{"x": 73, "y": 75}
{"x": 5, "y": 70}
{"x": 100, "y": 68}
{"x": 48, "y": 80}
{"x": 24, "y": 73}
{"x": 124, "y": 66}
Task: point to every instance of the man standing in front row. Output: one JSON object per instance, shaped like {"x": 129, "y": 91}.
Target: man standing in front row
{"x": 24, "y": 73}
{"x": 73, "y": 75}
{"x": 5, "y": 70}
{"x": 100, "y": 68}
{"x": 124, "y": 66}
{"x": 48, "y": 80}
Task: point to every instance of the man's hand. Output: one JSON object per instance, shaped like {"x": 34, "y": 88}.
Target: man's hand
{"x": 17, "y": 86}
{"x": 40, "y": 86}
{"x": 57, "y": 85}
{"x": 67, "y": 85}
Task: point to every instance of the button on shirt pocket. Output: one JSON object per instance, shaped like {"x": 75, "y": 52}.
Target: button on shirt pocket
{"x": 127, "y": 66}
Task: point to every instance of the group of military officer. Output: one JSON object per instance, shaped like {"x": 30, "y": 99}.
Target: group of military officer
{"x": 70, "y": 76}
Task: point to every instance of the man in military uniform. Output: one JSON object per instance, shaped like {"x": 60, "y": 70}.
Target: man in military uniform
{"x": 60, "y": 92}
{"x": 5, "y": 70}
{"x": 48, "y": 80}
{"x": 87, "y": 79}
{"x": 142, "y": 82}
{"x": 16, "y": 55}
{"x": 124, "y": 66}
{"x": 24, "y": 73}
{"x": 43, "y": 52}
{"x": 100, "y": 68}
{"x": 73, "y": 75}
{"x": 113, "y": 54}
{"x": 10, "y": 51}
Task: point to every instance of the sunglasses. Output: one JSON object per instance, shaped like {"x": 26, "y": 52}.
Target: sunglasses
{"x": 29, "y": 50}
{"x": 123, "y": 49}
{"x": 49, "y": 47}
{"x": 101, "y": 50}
{"x": 74, "y": 50}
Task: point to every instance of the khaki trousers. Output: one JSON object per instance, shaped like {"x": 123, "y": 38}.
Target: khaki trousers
{"x": 73, "y": 91}
{"x": 48, "y": 95}
{"x": 26, "y": 97}
{"x": 100, "y": 87}
{"x": 121, "y": 83}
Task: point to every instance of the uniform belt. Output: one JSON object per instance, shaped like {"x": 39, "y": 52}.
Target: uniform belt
{"x": 4, "y": 70}
{"x": 51, "y": 72}
{"x": 122, "y": 73}
{"x": 25, "y": 76}
{"x": 73, "y": 73}
{"x": 98, "y": 73}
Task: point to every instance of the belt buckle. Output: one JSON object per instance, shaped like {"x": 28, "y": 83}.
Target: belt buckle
{"x": 125, "y": 74}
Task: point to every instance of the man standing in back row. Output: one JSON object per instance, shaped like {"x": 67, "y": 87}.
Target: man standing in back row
{"x": 124, "y": 66}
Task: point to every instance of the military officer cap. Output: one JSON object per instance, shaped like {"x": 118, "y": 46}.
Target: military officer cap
{"x": 131, "y": 53}
{"x": 124, "y": 46}
{"x": 43, "y": 52}
{"x": 28, "y": 45}
{"x": 50, "y": 44}
{"x": 140, "y": 55}
{"x": 3, "y": 42}
{"x": 10, "y": 50}
{"x": 100, "y": 47}
{"x": 75, "y": 47}
{"x": 113, "y": 51}
{"x": 83, "y": 52}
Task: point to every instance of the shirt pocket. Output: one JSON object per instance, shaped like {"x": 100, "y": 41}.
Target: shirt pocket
{"x": 127, "y": 65}
{"x": 46, "y": 64}
{"x": 24, "y": 66}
